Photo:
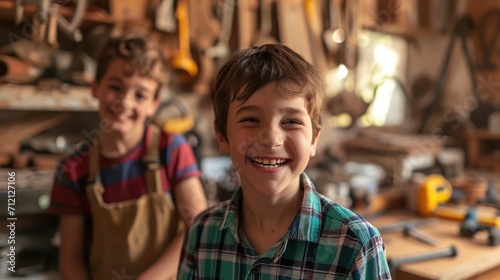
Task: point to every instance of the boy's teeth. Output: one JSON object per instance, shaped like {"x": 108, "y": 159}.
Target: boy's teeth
{"x": 269, "y": 162}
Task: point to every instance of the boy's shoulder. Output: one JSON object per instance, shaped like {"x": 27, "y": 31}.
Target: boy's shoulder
{"x": 336, "y": 216}
{"x": 213, "y": 215}
{"x": 79, "y": 154}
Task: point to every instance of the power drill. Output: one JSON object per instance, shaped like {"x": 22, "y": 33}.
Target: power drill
{"x": 471, "y": 225}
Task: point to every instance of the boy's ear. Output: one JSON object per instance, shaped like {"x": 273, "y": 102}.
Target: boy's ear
{"x": 94, "y": 89}
{"x": 314, "y": 144}
{"x": 154, "y": 107}
{"x": 222, "y": 142}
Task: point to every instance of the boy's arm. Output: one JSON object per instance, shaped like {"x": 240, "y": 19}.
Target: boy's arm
{"x": 187, "y": 265}
{"x": 190, "y": 200}
{"x": 71, "y": 259}
{"x": 371, "y": 262}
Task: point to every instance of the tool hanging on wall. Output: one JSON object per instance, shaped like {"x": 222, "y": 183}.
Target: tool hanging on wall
{"x": 315, "y": 36}
{"x": 205, "y": 29}
{"x": 488, "y": 43}
{"x": 335, "y": 36}
{"x": 245, "y": 24}
{"x": 265, "y": 24}
{"x": 222, "y": 49}
{"x": 48, "y": 9}
{"x": 348, "y": 102}
{"x": 432, "y": 116}
{"x": 293, "y": 29}
{"x": 164, "y": 19}
{"x": 39, "y": 48}
{"x": 182, "y": 60}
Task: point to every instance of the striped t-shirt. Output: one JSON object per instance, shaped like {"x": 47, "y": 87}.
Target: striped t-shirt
{"x": 123, "y": 178}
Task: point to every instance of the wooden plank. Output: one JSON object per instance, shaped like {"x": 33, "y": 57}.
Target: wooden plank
{"x": 490, "y": 274}
{"x": 372, "y": 145}
{"x": 483, "y": 134}
{"x": 16, "y": 131}
{"x": 29, "y": 97}
{"x": 487, "y": 79}
{"x": 474, "y": 255}
{"x": 293, "y": 29}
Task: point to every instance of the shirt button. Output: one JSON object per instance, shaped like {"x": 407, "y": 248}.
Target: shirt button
{"x": 255, "y": 270}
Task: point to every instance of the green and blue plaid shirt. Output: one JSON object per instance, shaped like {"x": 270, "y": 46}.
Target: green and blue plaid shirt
{"x": 324, "y": 241}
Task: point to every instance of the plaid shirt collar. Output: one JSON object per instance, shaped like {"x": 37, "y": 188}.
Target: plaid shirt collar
{"x": 302, "y": 227}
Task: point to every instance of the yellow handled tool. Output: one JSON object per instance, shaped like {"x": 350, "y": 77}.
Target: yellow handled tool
{"x": 485, "y": 219}
{"x": 436, "y": 190}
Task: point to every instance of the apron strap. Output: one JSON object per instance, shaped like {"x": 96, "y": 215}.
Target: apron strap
{"x": 94, "y": 168}
{"x": 152, "y": 162}
{"x": 94, "y": 187}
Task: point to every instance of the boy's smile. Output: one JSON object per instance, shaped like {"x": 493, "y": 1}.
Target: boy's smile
{"x": 269, "y": 163}
{"x": 270, "y": 140}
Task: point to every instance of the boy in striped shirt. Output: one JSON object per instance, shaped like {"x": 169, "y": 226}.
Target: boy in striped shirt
{"x": 114, "y": 223}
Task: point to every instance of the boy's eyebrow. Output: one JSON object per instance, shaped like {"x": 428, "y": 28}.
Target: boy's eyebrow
{"x": 247, "y": 108}
{"x": 292, "y": 111}
{"x": 120, "y": 80}
{"x": 115, "y": 79}
{"x": 286, "y": 110}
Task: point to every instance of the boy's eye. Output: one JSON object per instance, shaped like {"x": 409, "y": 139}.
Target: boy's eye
{"x": 140, "y": 95}
{"x": 249, "y": 120}
{"x": 292, "y": 122}
{"x": 115, "y": 87}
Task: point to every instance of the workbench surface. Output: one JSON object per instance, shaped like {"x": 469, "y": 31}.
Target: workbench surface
{"x": 475, "y": 260}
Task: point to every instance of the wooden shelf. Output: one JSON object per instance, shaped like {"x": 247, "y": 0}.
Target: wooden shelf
{"x": 480, "y": 156}
{"x": 7, "y": 13}
{"x": 488, "y": 162}
{"x": 30, "y": 97}
{"x": 483, "y": 134}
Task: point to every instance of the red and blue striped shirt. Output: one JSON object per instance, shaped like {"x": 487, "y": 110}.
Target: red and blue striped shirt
{"x": 123, "y": 178}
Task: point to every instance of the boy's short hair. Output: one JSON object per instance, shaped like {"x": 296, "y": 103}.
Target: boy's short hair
{"x": 251, "y": 69}
{"x": 141, "y": 51}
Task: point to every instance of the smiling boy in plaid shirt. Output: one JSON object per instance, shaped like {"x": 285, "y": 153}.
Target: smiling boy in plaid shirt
{"x": 267, "y": 103}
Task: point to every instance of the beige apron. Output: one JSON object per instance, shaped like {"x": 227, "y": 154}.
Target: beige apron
{"x": 129, "y": 236}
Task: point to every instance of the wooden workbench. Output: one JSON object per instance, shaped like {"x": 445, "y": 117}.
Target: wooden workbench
{"x": 475, "y": 260}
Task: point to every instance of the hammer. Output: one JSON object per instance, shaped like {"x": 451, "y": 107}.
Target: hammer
{"x": 448, "y": 252}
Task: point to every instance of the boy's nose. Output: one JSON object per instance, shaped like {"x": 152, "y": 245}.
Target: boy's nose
{"x": 270, "y": 138}
{"x": 126, "y": 100}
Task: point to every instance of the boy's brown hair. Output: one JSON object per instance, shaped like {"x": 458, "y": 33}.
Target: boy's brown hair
{"x": 251, "y": 69}
{"x": 141, "y": 51}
